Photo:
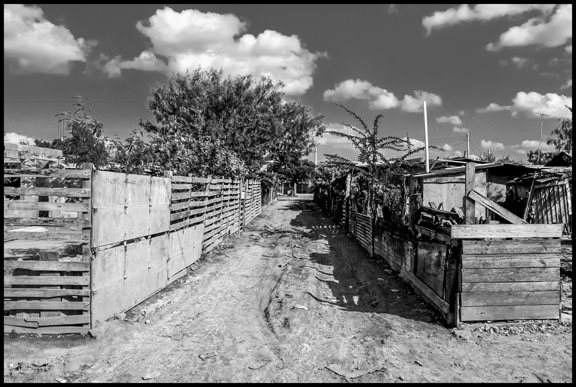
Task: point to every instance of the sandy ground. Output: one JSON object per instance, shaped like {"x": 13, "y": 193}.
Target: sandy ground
{"x": 292, "y": 299}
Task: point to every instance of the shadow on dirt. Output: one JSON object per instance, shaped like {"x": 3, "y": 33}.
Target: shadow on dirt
{"x": 358, "y": 282}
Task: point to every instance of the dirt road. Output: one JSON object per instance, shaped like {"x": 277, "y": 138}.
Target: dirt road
{"x": 292, "y": 299}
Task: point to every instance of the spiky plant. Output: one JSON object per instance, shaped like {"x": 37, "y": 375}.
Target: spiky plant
{"x": 370, "y": 146}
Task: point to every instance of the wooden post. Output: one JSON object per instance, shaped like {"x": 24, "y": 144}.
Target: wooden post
{"x": 87, "y": 236}
{"x": 469, "y": 205}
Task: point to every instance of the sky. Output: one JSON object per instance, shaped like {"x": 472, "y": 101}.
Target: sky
{"x": 497, "y": 73}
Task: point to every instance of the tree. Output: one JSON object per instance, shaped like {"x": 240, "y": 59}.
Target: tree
{"x": 563, "y": 135}
{"x": 86, "y": 142}
{"x": 370, "y": 146}
{"x": 210, "y": 124}
{"x": 539, "y": 157}
{"x": 487, "y": 157}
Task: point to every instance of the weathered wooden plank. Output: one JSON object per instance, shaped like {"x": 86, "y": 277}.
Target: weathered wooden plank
{"x": 468, "y": 204}
{"x": 72, "y": 235}
{"x": 516, "y": 312}
{"x": 510, "y": 286}
{"x": 44, "y": 293}
{"x": 512, "y": 274}
{"x": 185, "y": 214}
{"x": 430, "y": 265}
{"x": 510, "y": 260}
{"x": 478, "y": 231}
{"x": 44, "y": 206}
{"x": 45, "y": 280}
{"x": 46, "y": 305}
{"x": 69, "y": 223}
{"x": 190, "y": 179}
{"x": 60, "y": 320}
{"x": 433, "y": 234}
{"x": 46, "y": 191}
{"x": 47, "y": 265}
{"x": 427, "y": 292}
{"x": 19, "y": 322}
{"x": 188, "y": 195}
{"x": 59, "y": 173}
{"x": 510, "y": 298}
{"x": 495, "y": 207}
{"x": 47, "y": 330}
{"x": 186, "y": 223}
{"x": 530, "y": 246}
{"x": 186, "y": 205}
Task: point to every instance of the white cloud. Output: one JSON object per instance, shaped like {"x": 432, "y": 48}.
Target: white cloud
{"x": 569, "y": 49}
{"x": 539, "y": 30}
{"x": 550, "y": 104}
{"x": 491, "y": 145}
{"x": 567, "y": 85}
{"x": 492, "y": 107}
{"x": 534, "y": 104}
{"x": 528, "y": 145}
{"x": 335, "y": 141}
{"x": 457, "y": 153}
{"x": 146, "y": 61}
{"x": 415, "y": 105}
{"x": 460, "y": 130}
{"x": 447, "y": 147}
{"x": 190, "y": 39}
{"x": 479, "y": 12}
{"x": 454, "y": 120}
{"x": 414, "y": 143}
{"x": 36, "y": 45}
{"x": 15, "y": 138}
{"x": 380, "y": 99}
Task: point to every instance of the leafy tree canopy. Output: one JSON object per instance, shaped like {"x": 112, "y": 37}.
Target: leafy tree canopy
{"x": 210, "y": 124}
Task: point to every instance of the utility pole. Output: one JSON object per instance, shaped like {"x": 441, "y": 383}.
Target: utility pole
{"x": 315, "y": 156}
{"x": 427, "y": 155}
{"x": 467, "y": 144}
{"x": 540, "y": 139}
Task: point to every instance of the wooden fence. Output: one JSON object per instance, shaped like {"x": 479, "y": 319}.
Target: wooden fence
{"x": 102, "y": 242}
{"x": 47, "y": 290}
{"x": 509, "y": 272}
{"x": 468, "y": 272}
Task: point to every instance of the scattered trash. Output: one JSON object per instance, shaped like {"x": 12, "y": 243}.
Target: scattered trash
{"x": 207, "y": 356}
{"x": 61, "y": 380}
{"x": 417, "y": 362}
{"x": 259, "y": 365}
{"x": 339, "y": 370}
{"x": 151, "y": 375}
{"x": 147, "y": 321}
{"x": 299, "y": 307}
{"x": 394, "y": 290}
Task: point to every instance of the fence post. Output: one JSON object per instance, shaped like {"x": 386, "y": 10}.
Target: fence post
{"x": 469, "y": 204}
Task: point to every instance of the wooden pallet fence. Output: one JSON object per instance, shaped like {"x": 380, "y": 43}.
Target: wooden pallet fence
{"x": 509, "y": 272}
{"x": 47, "y": 203}
{"x": 47, "y": 209}
{"x": 222, "y": 216}
{"x": 252, "y": 201}
{"x": 46, "y": 297}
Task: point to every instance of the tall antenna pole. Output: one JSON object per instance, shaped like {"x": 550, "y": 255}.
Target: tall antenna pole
{"x": 315, "y": 156}
{"x": 427, "y": 155}
{"x": 467, "y": 144}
